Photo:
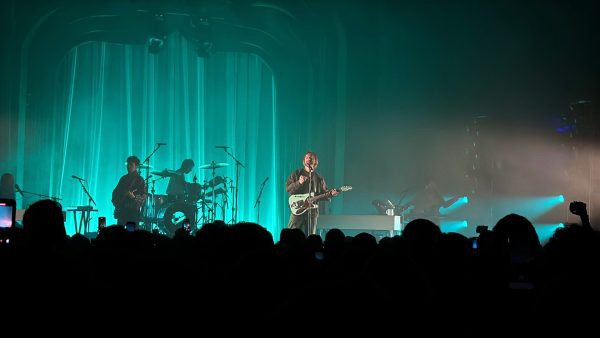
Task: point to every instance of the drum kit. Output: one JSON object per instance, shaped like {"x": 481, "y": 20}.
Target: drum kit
{"x": 198, "y": 205}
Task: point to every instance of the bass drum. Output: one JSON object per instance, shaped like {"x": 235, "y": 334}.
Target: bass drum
{"x": 171, "y": 217}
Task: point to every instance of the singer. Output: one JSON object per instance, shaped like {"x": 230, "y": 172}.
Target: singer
{"x": 303, "y": 181}
{"x": 129, "y": 194}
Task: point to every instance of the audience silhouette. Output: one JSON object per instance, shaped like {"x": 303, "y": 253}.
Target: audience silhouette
{"x": 237, "y": 272}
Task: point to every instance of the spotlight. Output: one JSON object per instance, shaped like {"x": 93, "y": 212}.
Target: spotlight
{"x": 155, "y": 45}
{"x": 157, "y": 34}
{"x": 203, "y": 35}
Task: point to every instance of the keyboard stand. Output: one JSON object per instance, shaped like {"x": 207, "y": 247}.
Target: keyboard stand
{"x": 85, "y": 218}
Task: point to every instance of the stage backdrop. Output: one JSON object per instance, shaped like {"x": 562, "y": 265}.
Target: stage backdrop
{"x": 116, "y": 100}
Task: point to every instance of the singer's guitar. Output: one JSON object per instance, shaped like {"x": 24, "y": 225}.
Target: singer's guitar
{"x": 125, "y": 201}
{"x": 299, "y": 203}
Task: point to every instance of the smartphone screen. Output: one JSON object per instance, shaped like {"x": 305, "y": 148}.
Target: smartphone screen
{"x": 186, "y": 225}
{"x": 130, "y": 226}
{"x": 7, "y": 213}
{"x": 101, "y": 223}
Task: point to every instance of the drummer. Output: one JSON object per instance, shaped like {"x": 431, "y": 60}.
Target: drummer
{"x": 177, "y": 189}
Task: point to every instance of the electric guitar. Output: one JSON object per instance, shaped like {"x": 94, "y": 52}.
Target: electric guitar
{"x": 299, "y": 203}
{"x": 125, "y": 201}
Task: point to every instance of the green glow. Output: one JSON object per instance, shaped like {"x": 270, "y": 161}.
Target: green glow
{"x": 545, "y": 231}
{"x": 531, "y": 208}
{"x": 115, "y": 101}
{"x": 453, "y": 225}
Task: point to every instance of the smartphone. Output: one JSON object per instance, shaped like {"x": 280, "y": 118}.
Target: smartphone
{"x": 8, "y": 210}
{"x": 101, "y": 223}
{"x": 319, "y": 255}
{"x": 130, "y": 226}
{"x": 186, "y": 225}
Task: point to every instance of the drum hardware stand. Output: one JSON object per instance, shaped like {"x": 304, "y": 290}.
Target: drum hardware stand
{"x": 224, "y": 198}
{"x": 213, "y": 166}
{"x": 206, "y": 209}
{"x": 203, "y": 207}
{"x": 214, "y": 201}
{"x": 234, "y": 207}
{"x": 151, "y": 218}
{"x": 147, "y": 167}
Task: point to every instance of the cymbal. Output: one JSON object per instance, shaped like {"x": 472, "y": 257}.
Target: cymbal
{"x": 213, "y": 165}
{"x": 166, "y": 173}
{"x": 144, "y": 166}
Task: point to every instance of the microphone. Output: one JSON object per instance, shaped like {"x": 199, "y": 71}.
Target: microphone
{"x": 265, "y": 181}
{"x": 222, "y": 147}
{"x": 19, "y": 190}
{"x": 161, "y": 144}
{"x": 78, "y": 178}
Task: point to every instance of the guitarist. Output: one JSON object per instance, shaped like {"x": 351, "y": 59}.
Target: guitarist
{"x": 303, "y": 181}
{"x": 129, "y": 194}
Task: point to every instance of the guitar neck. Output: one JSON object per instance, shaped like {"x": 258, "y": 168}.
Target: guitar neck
{"x": 320, "y": 197}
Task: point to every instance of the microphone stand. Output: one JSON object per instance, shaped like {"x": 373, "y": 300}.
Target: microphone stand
{"x": 257, "y": 203}
{"x": 40, "y": 195}
{"x": 234, "y": 207}
{"x": 87, "y": 212}
{"x": 309, "y": 229}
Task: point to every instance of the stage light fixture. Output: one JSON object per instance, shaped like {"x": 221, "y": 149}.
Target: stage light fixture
{"x": 155, "y": 45}
{"x": 157, "y": 36}
{"x": 204, "y": 49}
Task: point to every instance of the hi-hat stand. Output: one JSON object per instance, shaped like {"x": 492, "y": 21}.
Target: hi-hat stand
{"x": 150, "y": 220}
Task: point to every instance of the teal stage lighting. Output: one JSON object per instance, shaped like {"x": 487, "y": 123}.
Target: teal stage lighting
{"x": 545, "y": 231}
{"x": 454, "y": 225}
{"x": 531, "y": 208}
{"x": 454, "y": 206}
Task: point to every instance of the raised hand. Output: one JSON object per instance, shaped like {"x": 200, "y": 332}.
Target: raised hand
{"x": 578, "y": 208}
{"x": 302, "y": 179}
